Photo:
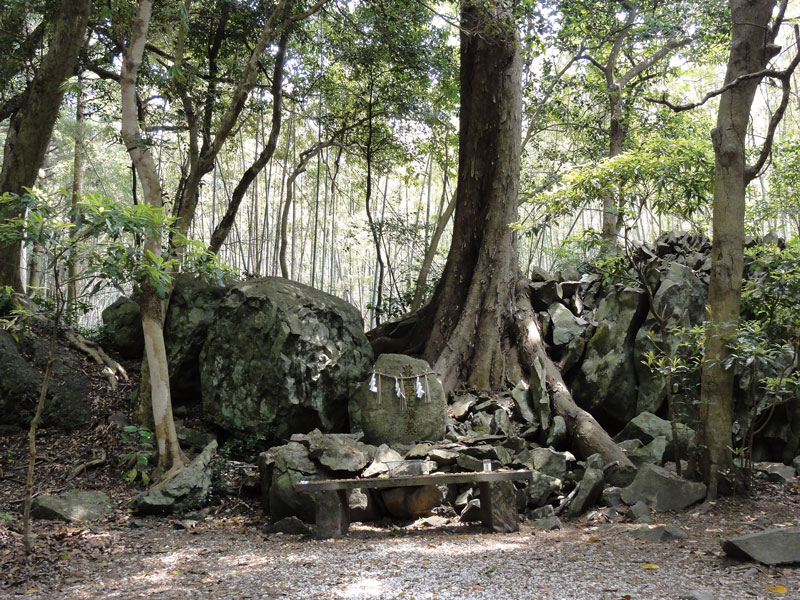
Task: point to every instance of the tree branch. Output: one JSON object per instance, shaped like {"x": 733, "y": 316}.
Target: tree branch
{"x": 617, "y": 47}
{"x": 649, "y": 62}
{"x": 773, "y": 73}
{"x": 751, "y": 172}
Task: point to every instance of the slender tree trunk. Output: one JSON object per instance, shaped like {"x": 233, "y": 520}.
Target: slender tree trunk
{"x": 618, "y": 132}
{"x": 31, "y": 127}
{"x": 48, "y": 372}
{"x": 35, "y": 269}
{"x": 78, "y": 170}
{"x": 751, "y": 50}
{"x": 171, "y": 456}
{"x": 223, "y": 229}
{"x": 430, "y": 253}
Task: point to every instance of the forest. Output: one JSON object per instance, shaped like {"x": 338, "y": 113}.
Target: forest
{"x": 252, "y": 246}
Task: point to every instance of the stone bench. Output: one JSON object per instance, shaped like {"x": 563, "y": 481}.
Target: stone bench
{"x": 498, "y": 497}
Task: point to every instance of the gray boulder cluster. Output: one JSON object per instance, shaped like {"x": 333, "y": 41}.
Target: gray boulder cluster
{"x": 266, "y": 357}
{"x": 560, "y": 483}
{"x": 601, "y": 334}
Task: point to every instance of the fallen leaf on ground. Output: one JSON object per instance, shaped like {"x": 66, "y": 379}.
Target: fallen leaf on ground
{"x": 776, "y": 589}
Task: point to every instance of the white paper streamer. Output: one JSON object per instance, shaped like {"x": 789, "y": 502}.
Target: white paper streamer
{"x": 420, "y": 392}
{"x": 373, "y": 384}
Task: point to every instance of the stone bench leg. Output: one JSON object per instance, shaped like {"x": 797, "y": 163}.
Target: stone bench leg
{"x": 499, "y": 506}
{"x": 333, "y": 513}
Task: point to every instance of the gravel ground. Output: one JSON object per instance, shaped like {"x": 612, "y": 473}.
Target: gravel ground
{"x": 230, "y": 557}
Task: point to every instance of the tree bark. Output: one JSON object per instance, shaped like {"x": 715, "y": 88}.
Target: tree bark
{"x": 479, "y": 327}
{"x": 752, "y": 47}
{"x": 171, "y": 456}
{"x": 472, "y": 298}
{"x": 32, "y": 125}
{"x": 78, "y": 170}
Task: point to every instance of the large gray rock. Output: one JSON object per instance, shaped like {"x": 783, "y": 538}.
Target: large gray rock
{"x": 652, "y": 453}
{"x": 386, "y": 418}
{"x": 565, "y": 325}
{"x": 122, "y": 329}
{"x": 549, "y": 462}
{"x": 22, "y": 363}
{"x": 646, "y": 427}
{"x": 681, "y": 298}
{"x": 383, "y": 455}
{"x": 292, "y": 465}
{"x": 775, "y": 471}
{"x": 279, "y": 358}
{"x": 522, "y": 403}
{"x": 606, "y": 383}
{"x": 770, "y": 547}
{"x": 662, "y": 489}
{"x": 192, "y": 308}
{"x": 188, "y": 490}
{"x": 544, "y": 293}
{"x": 74, "y": 506}
{"x": 591, "y": 486}
{"x": 339, "y": 452}
{"x": 540, "y": 488}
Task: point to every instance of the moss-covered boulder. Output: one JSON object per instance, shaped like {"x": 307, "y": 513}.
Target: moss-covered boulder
{"x": 279, "y": 358}
{"x": 606, "y": 383}
{"x": 122, "y": 329}
{"x": 22, "y": 363}
{"x": 386, "y": 416}
{"x": 192, "y": 309}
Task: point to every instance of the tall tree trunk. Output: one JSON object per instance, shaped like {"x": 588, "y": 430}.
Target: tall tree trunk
{"x": 171, "y": 456}
{"x": 473, "y": 294}
{"x": 31, "y": 127}
{"x": 752, "y": 47}
{"x": 78, "y": 170}
{"x": 479, "y": 327}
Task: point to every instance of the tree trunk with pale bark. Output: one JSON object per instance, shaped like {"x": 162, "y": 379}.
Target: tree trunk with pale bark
{"x": 171, "y": 456}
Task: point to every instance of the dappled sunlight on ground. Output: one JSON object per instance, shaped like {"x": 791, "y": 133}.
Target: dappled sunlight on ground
{"x": 585, "y": 561}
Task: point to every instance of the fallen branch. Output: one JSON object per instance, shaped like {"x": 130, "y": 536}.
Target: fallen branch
{"x": 566, "y": 501}
{"x": 96, "y": 462}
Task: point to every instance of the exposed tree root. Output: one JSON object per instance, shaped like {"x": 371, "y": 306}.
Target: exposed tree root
{"x": 586, "y": 433}
{"x": 521, "y": 352}
{"x": 111, "y": 368}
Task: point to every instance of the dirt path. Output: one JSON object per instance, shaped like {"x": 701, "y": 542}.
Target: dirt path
{"x": 228, "y": 556}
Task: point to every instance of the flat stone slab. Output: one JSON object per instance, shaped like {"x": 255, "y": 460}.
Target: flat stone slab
{"x": 432, "y": 479}
{"x": 770, "y": 547}
{"x": 74, "y": 506}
